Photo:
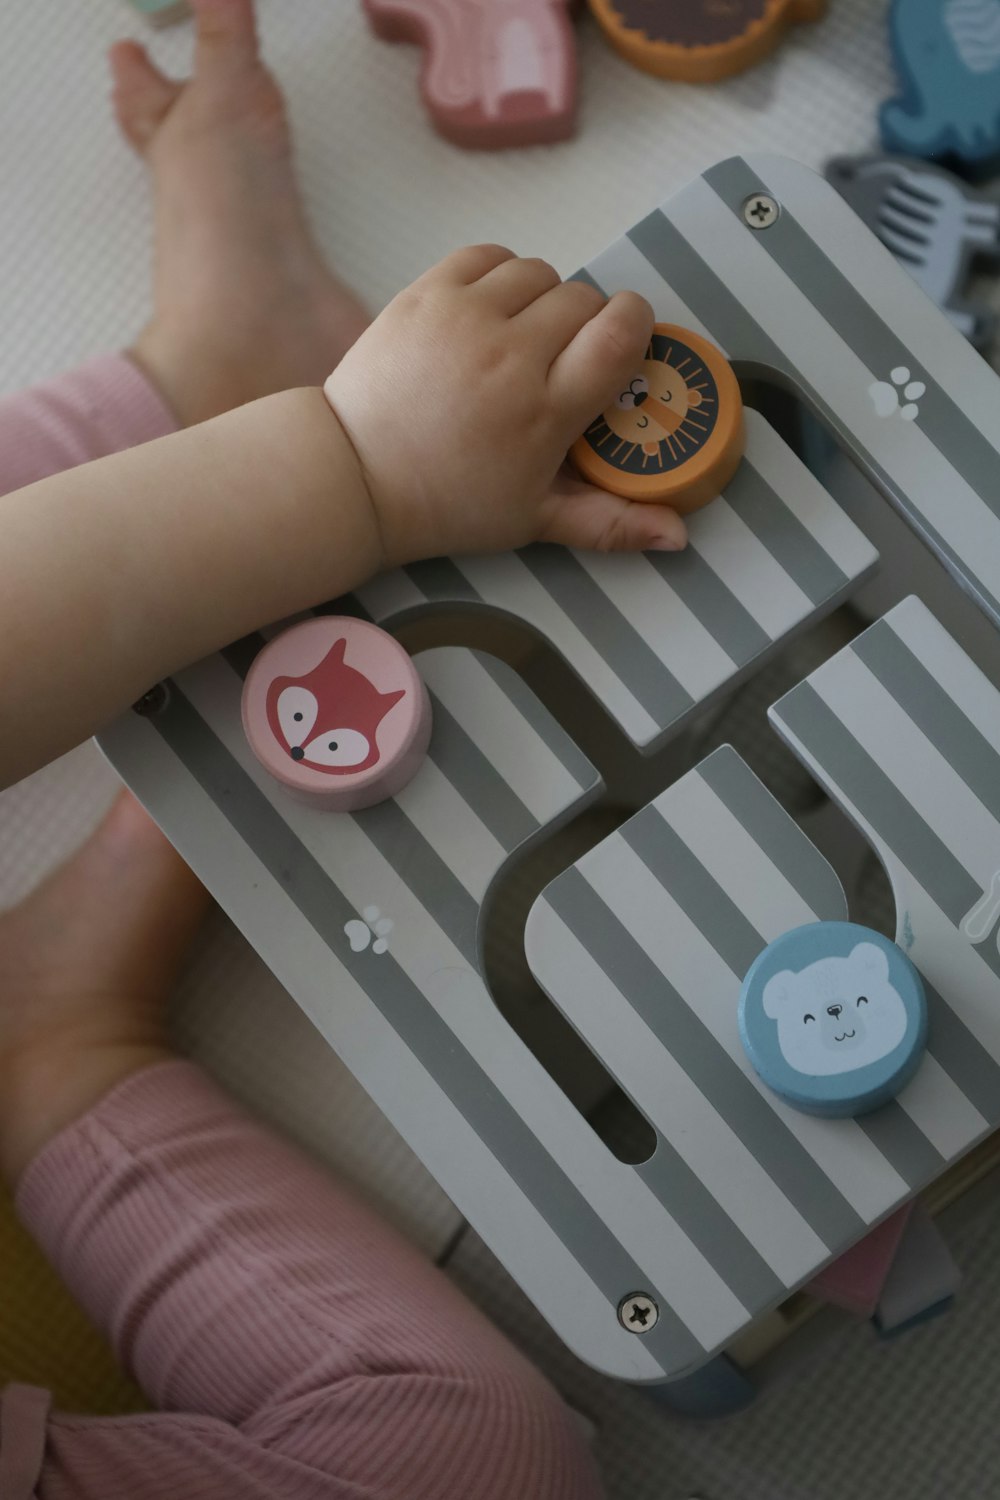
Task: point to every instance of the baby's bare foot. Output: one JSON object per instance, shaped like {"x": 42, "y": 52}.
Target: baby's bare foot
{"x": 243, "y": 302}
{"x": 86, "y": 965}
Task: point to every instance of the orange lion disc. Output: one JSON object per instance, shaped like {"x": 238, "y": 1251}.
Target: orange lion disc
{"x": 675, "y": 433}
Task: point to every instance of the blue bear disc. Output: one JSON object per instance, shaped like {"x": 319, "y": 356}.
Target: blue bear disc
{"x": 833, "y": 1017}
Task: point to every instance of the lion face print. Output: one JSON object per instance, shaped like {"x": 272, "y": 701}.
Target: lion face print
{"x": 663, "y": 416}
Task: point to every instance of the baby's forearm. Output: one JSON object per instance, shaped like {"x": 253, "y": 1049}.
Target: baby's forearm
{"x": 117, "y": 573}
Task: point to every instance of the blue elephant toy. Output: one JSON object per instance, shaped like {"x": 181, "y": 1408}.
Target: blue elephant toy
{"x": 947, "y": 53}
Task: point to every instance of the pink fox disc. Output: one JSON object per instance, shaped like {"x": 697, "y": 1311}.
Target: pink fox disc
{"x": 335, "y": 709}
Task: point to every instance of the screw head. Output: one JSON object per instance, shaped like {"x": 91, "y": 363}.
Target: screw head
{"x": 638, "y": 1313}
{"x": 152, "y": 701}
{"x": 760, "y": 211}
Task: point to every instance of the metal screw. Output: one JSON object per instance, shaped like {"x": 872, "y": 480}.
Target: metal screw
{"x": 638, "y": 1313}
{"x": 153, "y": 701}
{"x": 760, "y": 211}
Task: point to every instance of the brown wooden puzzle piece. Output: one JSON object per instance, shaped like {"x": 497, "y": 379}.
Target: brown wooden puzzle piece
{"x": 496, "y": 72}
{"x": 699, "y": 41}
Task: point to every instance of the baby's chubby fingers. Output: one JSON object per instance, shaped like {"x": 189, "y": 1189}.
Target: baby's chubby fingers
{"x": 577, "y": 514}
{"x": 554, "y": 320}
{"x": 600, "y": 360}
{"x": 516, "y": 285}
{"x": 465, "y": 266}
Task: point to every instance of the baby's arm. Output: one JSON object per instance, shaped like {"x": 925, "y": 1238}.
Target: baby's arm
{"x": 117, "y": 573}
{"x": 444, "y": 431}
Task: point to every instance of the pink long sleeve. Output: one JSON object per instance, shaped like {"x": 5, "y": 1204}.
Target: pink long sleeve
{"x": 322, "y": 1355}
{"x": 102, "y": 407}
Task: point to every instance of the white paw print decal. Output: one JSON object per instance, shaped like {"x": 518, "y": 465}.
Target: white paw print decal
{"x": 886, "y": 397}
{"x": 374, "y": 929}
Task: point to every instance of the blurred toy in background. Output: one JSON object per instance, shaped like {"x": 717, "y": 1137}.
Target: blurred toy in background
{"x": 947, "y": 54}
{"x": 699, "y": 41}
{"x": 496, "y": 73}
{"x": 939, "y": 229}
{"x": 162, "y": 12}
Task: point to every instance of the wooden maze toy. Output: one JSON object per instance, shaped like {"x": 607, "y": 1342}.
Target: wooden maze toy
{"x": 372, "y": 919}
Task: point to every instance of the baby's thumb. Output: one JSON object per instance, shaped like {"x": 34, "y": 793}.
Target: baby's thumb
{"x": 579, "y": 515}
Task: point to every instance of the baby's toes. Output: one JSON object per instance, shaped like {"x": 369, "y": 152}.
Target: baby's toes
{"x": 142, "y": 95}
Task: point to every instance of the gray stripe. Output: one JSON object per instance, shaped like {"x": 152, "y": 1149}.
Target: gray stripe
{"x": 439, "y": 579}
{"x": 729, "y": 322}
{"x": 894, "y": 819}
{"x": 601, "y": 623}
{"x": 902, "y": 1143}
{"x": 876, "y": 344}
{"x": 710, "y": 601}
{"x": 738, "y": 943}
{"x": 347, "y": 604}
{"x": 266, "y": 835}
{"x": 241, "y": 654}
{"x": 700, "y": 897}
{"x": 897, "y": 823}
{"x": 791, "y": 543}
{"x": 585, "y": 277}
{"x": 423, "y": 870}
{"x": 476, "y": 779}
{"x": 566, "y": 751}
{"x": 922, "y": 697}
{"x": 776, "y": 834}
{"x": 706, "y": 1063}
{"x": 966, "y": 1062}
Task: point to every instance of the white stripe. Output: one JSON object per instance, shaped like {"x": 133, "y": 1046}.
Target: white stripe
{"x": 508, "y": 740}
{"x": 918, "y": 470}
{"x": 806, "y": 498}
{"x": 504, "y": 580}
{"x": 911, "y": 762}
{"x": 388, "y": 594}
{"x": 663, "y": 620}
{"x": 955, "y": 672}
{"x": 749, "y": 571}
{"x": 735, "y": 860}
{"x": 423, "y": 951}
{"x": 674, "y": 1105}
{"x": 709, "y": 987}
{"x": 452, "y": 828}
{"x": 409, "y": 1096}
{"x": 940, "y": 349}
{"x": 623, "y": 268}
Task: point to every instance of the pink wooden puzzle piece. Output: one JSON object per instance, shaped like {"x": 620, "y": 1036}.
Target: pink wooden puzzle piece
{"x": 335, "y": 709}
{"x": 496, "y": 72}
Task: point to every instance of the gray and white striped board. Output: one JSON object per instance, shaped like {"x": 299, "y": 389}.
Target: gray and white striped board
{"x": 644, "y": 943}
{"x": 740, "y": 1201}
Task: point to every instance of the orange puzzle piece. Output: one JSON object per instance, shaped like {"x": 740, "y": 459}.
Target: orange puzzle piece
{"x": 674, "y": 434}
{"x": 698, "y": 41}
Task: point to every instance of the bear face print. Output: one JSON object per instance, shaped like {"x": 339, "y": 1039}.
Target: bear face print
{"x": 838, "y": 1013}
{"x": 833, "y": 1018}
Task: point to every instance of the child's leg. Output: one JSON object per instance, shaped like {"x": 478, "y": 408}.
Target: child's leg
{"x": 242, "y": 1286}
{"x": 244, "y": 304}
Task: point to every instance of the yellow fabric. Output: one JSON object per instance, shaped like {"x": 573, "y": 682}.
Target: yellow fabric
{"x": 46, "y": 1340}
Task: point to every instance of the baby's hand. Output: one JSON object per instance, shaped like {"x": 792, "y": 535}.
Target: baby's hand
{"x": 464, "y": 397}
